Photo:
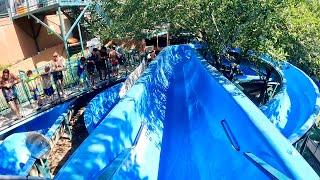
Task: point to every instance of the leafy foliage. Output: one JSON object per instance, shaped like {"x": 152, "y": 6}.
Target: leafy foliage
{"x": 284, "y": 29}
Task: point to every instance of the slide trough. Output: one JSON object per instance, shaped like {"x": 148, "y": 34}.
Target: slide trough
{"x": 182, "y": 119}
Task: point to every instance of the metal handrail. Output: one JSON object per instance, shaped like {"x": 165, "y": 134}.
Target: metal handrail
{"x": 70, "y": 78}
{"x": 31, "y": 6}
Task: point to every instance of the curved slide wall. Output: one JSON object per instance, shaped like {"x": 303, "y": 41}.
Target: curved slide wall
{"x": 183, "y": 120}
{"x": 100, "y": 106}
{"x": 17, "y": 153}
{"x": 41, "y": 122}
{"x": 295, "y": 108}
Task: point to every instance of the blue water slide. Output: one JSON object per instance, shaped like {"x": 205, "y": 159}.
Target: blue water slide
{"x": 19, "y": 151}
{"x": 294, "y": 109}
{"x": 100, "y": 106}
{"x": 183, "y": 120}
{"x": 27, "y": 141}
{"x": 45, "y": 123}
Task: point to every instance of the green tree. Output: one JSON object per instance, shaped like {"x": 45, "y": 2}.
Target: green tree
{"x": 283, "y": 29}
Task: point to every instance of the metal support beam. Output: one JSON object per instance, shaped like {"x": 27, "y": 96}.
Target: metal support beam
{"x": 81, "y": 41}
{"x": 28, "y": 7}
{"x": 76, "y": 21}
{"x": 73, "y": 19}
{"x": 46, "y": 26}
{"x": 65, "y": 38}
{"x": 34, "y": 36}
{"x": 9, "y": 10}
{"x": 62, "y": 28}
{"x": 157, "y": 42}
{"x": 39, "y": 29}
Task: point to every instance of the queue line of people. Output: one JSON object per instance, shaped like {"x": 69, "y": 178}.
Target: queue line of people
{"x": 103, "y": 63}
{"x": 55, "y": 70}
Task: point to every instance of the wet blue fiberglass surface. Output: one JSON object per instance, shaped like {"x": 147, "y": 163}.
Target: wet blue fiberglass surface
{"x": 295, "y": 108}
{"x": 304, "y": 101}
{"x": 17, "y": 154}
{"x": 41, "y": 122}
{"x": 178, "y": 124}
{"x": 100, "y": 106}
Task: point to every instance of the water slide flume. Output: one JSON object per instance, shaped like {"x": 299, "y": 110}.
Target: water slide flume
{"x": 99, "y": 107}
{"x": 183, "y": 120}
{"x": 296, "y": 106}
{"x": 28, "y": 141}
{"x": 293, "y": 99}
{"x": 20, "y": 151}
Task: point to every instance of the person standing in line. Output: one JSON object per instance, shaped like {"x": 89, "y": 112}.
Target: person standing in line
{"x": 47, "y": 85}
{"x": 121, "y": 55}
{"x": 57, "y": 68}
{"x": 151, "y": 56}
{"x": 82, "y": 66}
{"x": 95, "y": 57}
{"x": 103, "y": 62}
{"x": 113, "y": 56}
{"x": 8, "y": 85}
{"x": 91, "y": 72}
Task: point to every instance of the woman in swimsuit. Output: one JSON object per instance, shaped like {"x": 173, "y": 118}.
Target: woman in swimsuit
{"x": 7, "y": 84}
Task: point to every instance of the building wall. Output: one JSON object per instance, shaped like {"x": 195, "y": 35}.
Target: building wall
{"x": 46, "y": 39}
{"x": 40, "y": 60}
{"x": 17, "y": 45}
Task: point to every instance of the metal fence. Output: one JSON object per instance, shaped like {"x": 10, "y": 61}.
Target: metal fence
{"x": 4, "y": 9}
{"x": 309, "y": 148}
{"x": 313, "y": 142}
{"x": 70, "y": 79}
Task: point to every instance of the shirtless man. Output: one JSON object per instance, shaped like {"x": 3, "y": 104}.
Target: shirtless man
{"x": 58, "y": 66}
{"x": 113, "y": 56}
{"x": 7, "y": 84}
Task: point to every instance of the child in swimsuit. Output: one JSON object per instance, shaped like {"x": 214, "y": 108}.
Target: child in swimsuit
{"x": 46, "y": 83}
{"x": 82, "y": 65}
{"x": 33, "y": 84}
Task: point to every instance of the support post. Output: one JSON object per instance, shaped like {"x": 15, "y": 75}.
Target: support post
{"x": 34, "y": 37}
{"x": 76, "y": 21}
{"x": 46, "y": 26}
{"x": 81, "y": 41}
{"x": 28, "y": 7}
{"x": 62, "y": 29}
{"x": 65, "y": 38}
{"x": 157, "y": 42}
{"x": 9, "y": 10}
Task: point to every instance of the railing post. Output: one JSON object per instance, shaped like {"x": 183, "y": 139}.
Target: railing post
{"x": 81, "y": 40}
{"x": 9, "y": 10}
{"x": 24, "y": 88}
{"x": 27, "y": 1}
{"x": 62, "y": 29}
